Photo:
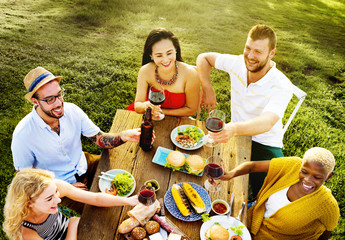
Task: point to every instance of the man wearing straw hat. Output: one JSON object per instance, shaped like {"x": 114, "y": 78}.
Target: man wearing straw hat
{"x": 49, "y": 137}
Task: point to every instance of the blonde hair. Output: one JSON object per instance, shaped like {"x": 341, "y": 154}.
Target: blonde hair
{"x": 322, "y": 156}
{"x": 25, "y": 187}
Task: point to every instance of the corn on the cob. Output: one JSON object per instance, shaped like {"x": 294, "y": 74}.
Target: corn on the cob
{"x": 181, "y": 200}
{"x": 194, "y": 198}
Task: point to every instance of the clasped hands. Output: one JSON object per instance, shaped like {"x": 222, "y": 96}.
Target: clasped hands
{"x": 156, "y": 109}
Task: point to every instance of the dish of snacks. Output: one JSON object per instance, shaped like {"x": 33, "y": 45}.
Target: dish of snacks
{"x": 177, "y": 161}
{"x": 222, "y": 227}
{"x": 187, "y": 201}
{"x": 117, "y": 182}
{"x": 153, "y": 183}
{"x": 187, "y": 137}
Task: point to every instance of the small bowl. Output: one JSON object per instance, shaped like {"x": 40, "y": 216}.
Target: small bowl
{"x": 151, "y": 183}
{"x": 221, "y": 202}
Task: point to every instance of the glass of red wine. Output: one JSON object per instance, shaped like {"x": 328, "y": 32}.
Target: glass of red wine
{"x": 215, "y": 122}
{"x": 214, "y": 170}
{"x": 146, "y": 195}
{"x": 157, "y": 97}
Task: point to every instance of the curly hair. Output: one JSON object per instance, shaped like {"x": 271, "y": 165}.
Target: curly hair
{"x": 25, "y": 187}
{"x": 322, "y": 156}
{"x": 155, "y": 36}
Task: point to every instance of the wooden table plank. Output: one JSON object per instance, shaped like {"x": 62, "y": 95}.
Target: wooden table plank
{"x": 234, "y": 154}
{"x": 102, "y": 223}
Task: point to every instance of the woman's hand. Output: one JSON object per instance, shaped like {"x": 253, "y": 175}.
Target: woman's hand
{"x": 132, "y": 135}
{"x": 156, "y": 109}
{"x": 227, "y": 176}
{"x": 132, "y": 201}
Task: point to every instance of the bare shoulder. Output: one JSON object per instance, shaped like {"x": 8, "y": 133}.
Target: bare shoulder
{"x": 189, "y": 70}
{"x": 29, "y": 234}
{"x": 146, "y": 73}
{"x": 147, "y": 68}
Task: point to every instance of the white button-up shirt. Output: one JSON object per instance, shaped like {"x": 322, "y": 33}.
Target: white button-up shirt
{"x": 34, "y": 144}
{"x": 272, "y": 93}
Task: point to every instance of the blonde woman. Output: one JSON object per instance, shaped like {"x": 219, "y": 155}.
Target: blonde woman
{"x": 31, "y": 208}
{"x": 293, "y": 203}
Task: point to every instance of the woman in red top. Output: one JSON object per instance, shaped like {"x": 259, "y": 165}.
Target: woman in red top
{"x": 162, "y": 64}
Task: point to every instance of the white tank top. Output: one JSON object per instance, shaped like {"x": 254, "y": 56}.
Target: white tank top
{"x": 276, "y": 201}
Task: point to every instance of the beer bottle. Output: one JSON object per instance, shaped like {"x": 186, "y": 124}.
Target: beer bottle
{"x": 146, "y": 131}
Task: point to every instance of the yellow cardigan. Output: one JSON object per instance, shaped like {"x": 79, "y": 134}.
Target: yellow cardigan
{"x": 306, "y": 218}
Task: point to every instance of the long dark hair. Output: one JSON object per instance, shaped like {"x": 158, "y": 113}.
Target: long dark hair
{"x": 155, "y": 36}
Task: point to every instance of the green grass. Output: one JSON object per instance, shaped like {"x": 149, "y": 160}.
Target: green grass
{"x": 97, "y": 45}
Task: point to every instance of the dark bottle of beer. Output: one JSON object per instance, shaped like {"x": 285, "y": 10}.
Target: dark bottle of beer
{"x": 146, "y": 131}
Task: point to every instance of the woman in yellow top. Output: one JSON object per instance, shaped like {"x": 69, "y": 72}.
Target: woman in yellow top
{"x": 293, "y": 203}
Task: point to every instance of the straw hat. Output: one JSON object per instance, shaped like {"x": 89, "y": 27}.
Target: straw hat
{"x": 36, "y": 78}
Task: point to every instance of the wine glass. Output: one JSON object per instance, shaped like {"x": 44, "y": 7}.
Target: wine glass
{"x": 215, "y": 123}
{"x": 214, "y": 170}
{"x": 157, "y": 97}
{"x": 146, "y": 195}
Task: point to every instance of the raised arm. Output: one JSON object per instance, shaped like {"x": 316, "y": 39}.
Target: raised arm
{"x": 245, "y": 168}
{"x": 204, "y": 63}
{"x": 111, "y": 140}
{"x": 251, "y": 127}
{"x": 92, "y": 198}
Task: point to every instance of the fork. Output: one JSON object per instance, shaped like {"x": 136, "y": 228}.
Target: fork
{"x": 239, "y": 214}
{"x": 231, "y": 202}
{"x": 107, "y": 174}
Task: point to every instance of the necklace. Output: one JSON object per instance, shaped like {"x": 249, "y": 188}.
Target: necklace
{"x": 163, "y": 82}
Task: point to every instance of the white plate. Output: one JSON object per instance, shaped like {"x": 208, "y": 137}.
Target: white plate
{"x": 103, "y": 184}
{"x": 225, "y": 222}
{"x": 174, "y": 134}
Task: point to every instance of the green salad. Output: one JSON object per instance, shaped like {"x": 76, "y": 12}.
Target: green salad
{"x": 192, "y": 132}
{"x": 123, "y": 183}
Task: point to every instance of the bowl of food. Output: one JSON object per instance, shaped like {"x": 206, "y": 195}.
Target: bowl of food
{"x": 220, "y": 207}
{"x": 187, "y": 137}
{"x": 153, "y": 183}
{"x": 117, "y": 182}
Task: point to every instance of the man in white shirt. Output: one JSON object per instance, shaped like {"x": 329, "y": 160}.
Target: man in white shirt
{"x": 49, "y": 137}
{"x": 260, "y": 94}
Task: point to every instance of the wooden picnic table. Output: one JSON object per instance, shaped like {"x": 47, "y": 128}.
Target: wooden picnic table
{"x": 102, "y": 223}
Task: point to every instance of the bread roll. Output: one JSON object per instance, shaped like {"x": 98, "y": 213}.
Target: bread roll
{"x": 138, "y": 233}
{"x": 217, "y": 232}
{"x": 176, "y": 159}
{"x": 152, "y": 227}
{"x": 195, "y": 164}
{"x": 127, "y": 225}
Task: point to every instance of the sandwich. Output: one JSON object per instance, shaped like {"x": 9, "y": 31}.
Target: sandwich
{"x": 217, "y": 232}
{"x": 195, "y": 164}
{"x": 175, "y": 160}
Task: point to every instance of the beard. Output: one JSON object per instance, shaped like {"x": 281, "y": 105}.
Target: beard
{"x": 259, "y": 66}
{"x": 51, "y": 112}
